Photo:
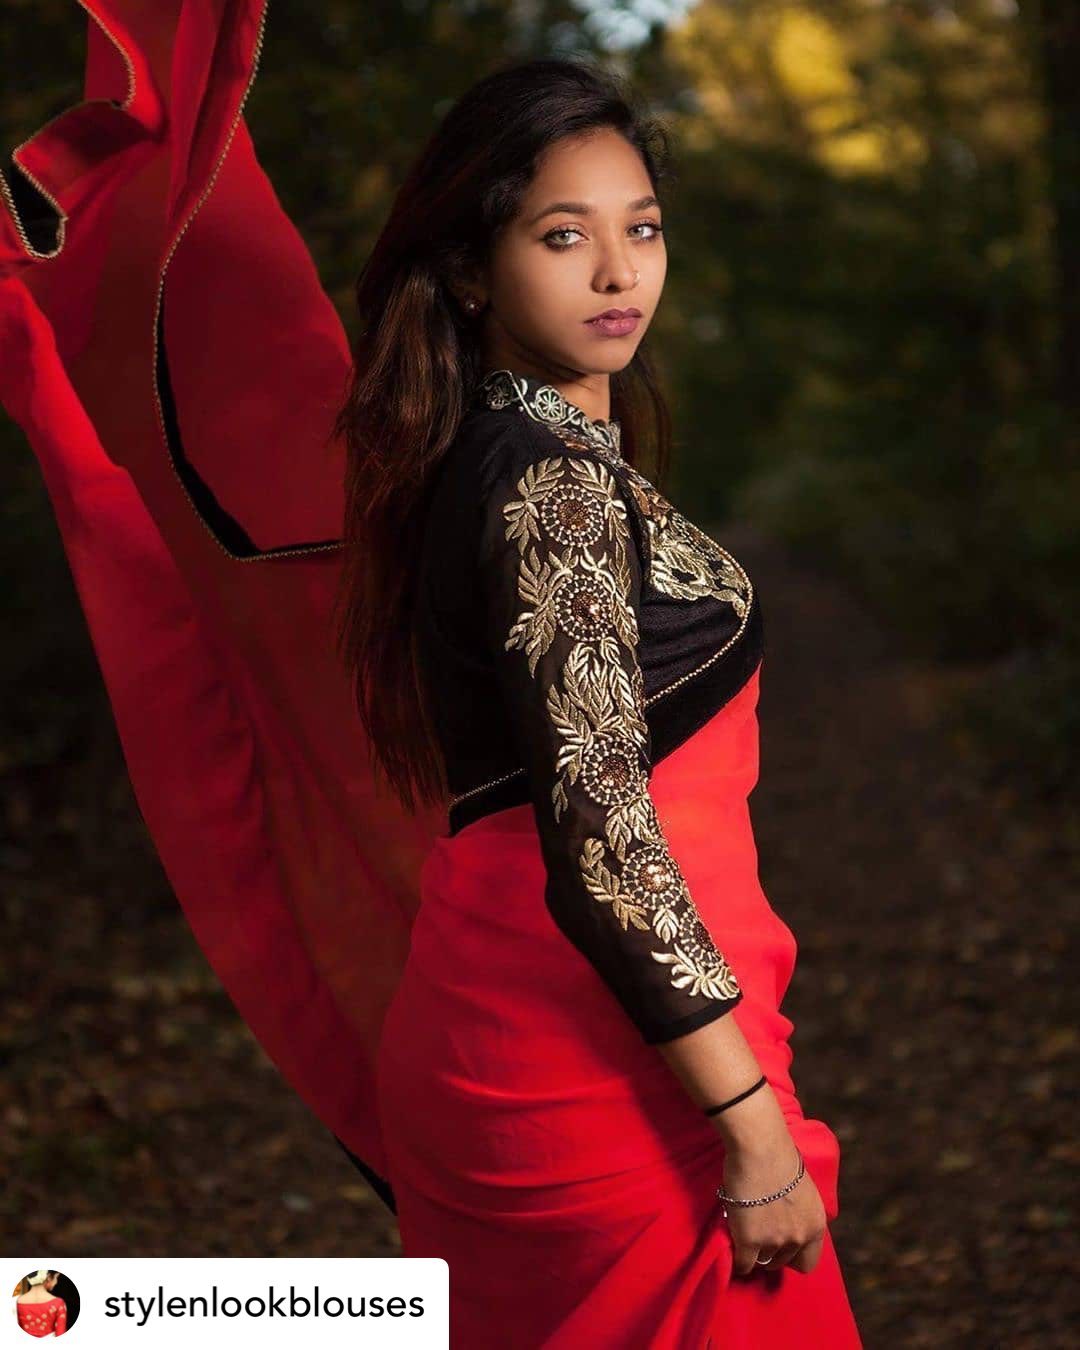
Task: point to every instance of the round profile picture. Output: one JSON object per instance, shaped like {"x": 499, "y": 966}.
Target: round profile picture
{"x": 45, "y": 1303}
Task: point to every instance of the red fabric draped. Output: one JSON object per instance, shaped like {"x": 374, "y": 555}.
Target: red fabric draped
{"x": 199, "y": 498}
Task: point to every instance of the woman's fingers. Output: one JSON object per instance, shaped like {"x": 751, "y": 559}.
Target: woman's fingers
{"x": 745, "y": 1255}
{"x": 802, "y": 1256}
{"x": 808, "y": 1256}
{"x": 782, "y": 1256}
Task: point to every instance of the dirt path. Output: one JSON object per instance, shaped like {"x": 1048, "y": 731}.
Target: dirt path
{"x": 932, "y": 1033}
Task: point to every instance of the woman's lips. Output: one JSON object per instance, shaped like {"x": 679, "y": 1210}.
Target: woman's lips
{"x": 614, "y": 327}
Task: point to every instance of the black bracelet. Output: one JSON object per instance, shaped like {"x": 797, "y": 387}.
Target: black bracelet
{"x": 713, "y": 1110}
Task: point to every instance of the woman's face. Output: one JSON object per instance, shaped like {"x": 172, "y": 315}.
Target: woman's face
{"x": 588, "y": 223}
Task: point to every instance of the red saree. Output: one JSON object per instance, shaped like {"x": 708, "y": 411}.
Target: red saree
{"x": 182, "y": 431}
{"x": 536, "y": 1130}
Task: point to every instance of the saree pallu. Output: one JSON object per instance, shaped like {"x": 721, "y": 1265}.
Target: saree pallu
{"x": 184, "y": 435}
{"x": 540, "y": 1146}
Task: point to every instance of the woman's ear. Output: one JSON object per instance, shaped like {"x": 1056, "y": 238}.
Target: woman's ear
{"x": 471, "y": 298}
{"x": 470, "y": 290}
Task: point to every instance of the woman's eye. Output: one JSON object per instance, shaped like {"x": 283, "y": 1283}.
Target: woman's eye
{"x": 566, "y": 229}
{"x": 552, "y": 235}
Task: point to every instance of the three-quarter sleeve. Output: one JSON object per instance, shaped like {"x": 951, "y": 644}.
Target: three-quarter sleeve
{"x": 561, "y": 572}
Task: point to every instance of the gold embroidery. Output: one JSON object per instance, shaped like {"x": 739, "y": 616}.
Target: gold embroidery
{"x": 595, "y": 701}
{"x": 685, "y": 562}
{"x": 543, "y": 403}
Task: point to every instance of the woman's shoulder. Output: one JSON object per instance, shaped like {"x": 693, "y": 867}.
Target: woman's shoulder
{"x": 501, "y": 454}
{"x": 500, "y": 444}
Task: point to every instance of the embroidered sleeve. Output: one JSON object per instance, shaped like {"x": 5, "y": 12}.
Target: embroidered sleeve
{"x": 562, "y": 573}
{"x": 61, "y": 1319}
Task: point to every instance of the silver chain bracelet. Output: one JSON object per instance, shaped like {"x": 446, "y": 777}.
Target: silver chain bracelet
{"x": 721, "y": 1194}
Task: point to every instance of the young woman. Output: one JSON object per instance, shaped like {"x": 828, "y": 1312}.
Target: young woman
{"x": 503, "y": 929}
{"x": 586, "y": 1039}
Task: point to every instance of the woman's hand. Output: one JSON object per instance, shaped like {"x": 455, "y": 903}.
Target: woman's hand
{"x": 715, "y": 1063}
{"x": 791, "y": 1229}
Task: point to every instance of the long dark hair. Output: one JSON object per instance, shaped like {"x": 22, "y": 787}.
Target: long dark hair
{"x": 416, "y": 357}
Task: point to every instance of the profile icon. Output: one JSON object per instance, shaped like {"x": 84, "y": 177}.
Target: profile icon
{"x": 45, "y": 1303}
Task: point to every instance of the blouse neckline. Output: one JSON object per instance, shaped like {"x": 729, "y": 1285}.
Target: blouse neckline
{"x": 544, "y": 403}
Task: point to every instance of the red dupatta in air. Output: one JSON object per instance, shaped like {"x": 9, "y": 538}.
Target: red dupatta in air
{"x": 175, "y": 364}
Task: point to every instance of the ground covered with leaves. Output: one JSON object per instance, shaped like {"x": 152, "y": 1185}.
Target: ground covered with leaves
{"x": 932, "y": 1002}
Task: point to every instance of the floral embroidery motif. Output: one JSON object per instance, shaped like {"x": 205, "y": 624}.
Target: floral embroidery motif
{"x": 564, "y": 507}
{"x": 683, "y": 561}
{"x": 543, "y": 403}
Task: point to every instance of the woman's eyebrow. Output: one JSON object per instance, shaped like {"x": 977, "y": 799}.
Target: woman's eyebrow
{"x": 584, "y": 209}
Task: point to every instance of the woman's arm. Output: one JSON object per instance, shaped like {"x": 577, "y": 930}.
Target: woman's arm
{"x": 561, "y": 573}
{"x": 715, "y": 1064}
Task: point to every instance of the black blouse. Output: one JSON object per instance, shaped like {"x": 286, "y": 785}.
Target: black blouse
{"x": 573, "y": 629}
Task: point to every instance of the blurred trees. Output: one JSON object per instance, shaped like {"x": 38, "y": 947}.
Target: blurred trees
{"x": 875, "y": 265}
{"x": 872, "y": 324}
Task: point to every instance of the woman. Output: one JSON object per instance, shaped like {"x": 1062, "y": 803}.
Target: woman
{"x": 548, "y": 979}
{"x": 543, "y": 623}
{"x": 40, "y": 1312}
